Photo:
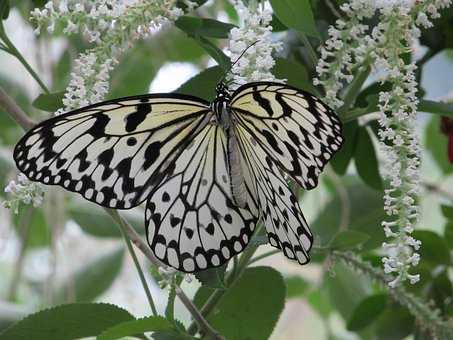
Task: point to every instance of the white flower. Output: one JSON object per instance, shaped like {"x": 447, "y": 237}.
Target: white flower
{"x": 255, "y": 38}
{"x": 23, "y": 191}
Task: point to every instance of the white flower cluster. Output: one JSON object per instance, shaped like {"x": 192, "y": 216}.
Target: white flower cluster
{"x": 255, "y": 29}
{"x": 112, "y": 25}
{"x": 23, "y": 191}
{"x": 353, "y": 45}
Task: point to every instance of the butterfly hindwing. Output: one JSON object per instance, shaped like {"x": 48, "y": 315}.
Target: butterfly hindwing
{"x": 295, "y": 129}
{"x": 114, "y": 152}
{"x": 280, "y": 211}
{"x": 192, "y": 223}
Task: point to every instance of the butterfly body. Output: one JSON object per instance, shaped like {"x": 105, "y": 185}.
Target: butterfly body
{"x": 209, "y": 172}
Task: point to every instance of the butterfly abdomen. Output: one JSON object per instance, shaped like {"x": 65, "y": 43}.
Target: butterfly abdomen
{"x": 238, "y": 189}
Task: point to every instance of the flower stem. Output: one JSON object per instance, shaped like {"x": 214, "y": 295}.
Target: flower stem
{"x": 428, "y": 318}
{"x": 354, "y": 89}
{"x": 309, "y": 47}
{"x": 137, "y": 265}
{"x": 9, "y": 47}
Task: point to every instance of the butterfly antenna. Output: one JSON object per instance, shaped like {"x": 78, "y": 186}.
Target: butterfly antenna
{"x": 235, "y": 62}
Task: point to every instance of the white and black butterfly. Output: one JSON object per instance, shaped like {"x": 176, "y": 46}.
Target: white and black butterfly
{"x": 208, "y": 171}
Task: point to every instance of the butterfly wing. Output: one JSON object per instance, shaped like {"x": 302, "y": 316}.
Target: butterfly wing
{"x": 113, "y": 152}
{"x": 281, "y": 214}
{"x": 192, "y": 223}
{"x": 295, "y": 129}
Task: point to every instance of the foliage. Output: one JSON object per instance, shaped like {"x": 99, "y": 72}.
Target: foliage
{"x": 238, "y": 301}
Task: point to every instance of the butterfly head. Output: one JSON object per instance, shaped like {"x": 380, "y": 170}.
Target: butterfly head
{"x": 222, "y": 90}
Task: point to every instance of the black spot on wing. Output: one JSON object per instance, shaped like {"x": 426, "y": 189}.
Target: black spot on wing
{"x": 136, "y": 118}
{"x": 263, "y": 102}
{"x": 152, "y": 152}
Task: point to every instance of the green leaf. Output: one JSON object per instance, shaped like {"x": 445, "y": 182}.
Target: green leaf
{"x": 433, "y": 249}
{"x": 436, "y": 142}
{"x": 215, "y": 52}
{"x": 94, "y": 221}
{"x": 251, "y": 307}
{"x": 296, "y": 14}
{"x": 447, "y": 211}
{"x": 365, "y": 215}
{"x": 49, "y": 102}
{"x": 204, "y": 27}
{"x": 93, "y": 279}
{"x": 366, "y": 160}
{"x": 394, "y": 324}
{"x": 443, "y": 109}
{"x": 4, "y": 9}
{"x": 134, "y": 73}
{"x": 348, "y": 239}
{"x": 296, "y": 287}
{"x": 61, "y": 71}
{"x": 67, "y": 322}
{"x": 277, "y": 25}
{"x": 346, "y": 289}
{"x": 367, "y": 312}
{"x": 130, "y": 328}
{"x": 295, "y": 73}
{"x": 340, "y": 161}
{"x": 203, "y": 84}
{"x": 213, "y": 277}
{"x": 448, "y": 234}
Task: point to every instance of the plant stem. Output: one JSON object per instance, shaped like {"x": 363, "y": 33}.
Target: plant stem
{"x": 24, "y": 230}
{"x": 14, "y": 111}
{"x": 137, "y": 266}
{"x": 10, "y": 48}
{"x": 215, "y": 297}
{"x": 309, "y": 47}
{"x": 427, "y": 318}
{"x": 353, "y": 89}
{"x": 263, "y": 256}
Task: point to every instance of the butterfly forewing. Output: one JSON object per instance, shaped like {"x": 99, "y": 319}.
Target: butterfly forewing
{"x": 295, "y": 129}
{"x": 114, "y": 152}
{"x": 192, "y": 222}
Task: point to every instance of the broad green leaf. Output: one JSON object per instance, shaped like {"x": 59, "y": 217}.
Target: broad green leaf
{"x": 296, "y": 14}
{"x": 366, "y": 160}
{"x": 134, "y": 73}
{"x": 94, "y": 221}
{"x": 346, "y": 289}
{"x": 277, "y": 25}
{"x": 367, "y": 312}
{"x": 296, "y": 287}
{"x": 61, "y": 71}
{"x": 213, "y": 277}
{"x": 172, "y": 335}
{"x": 67, "y": 322}
{"x": 251, "y": 307}
{"x": 295, "y": 74}
{"x": 38, "y": 230}
{"x": 365, "y": 215}
{"x": 448, "y": 234}
{"x": 93, "y": 279}
{"x": 203, "y": 84}
{"x": 340, "y": 161}
{"x": 49, "y": 102}
{"x": 433, "y": 248}
{"x": 443, "y": 109}
{"x": 134, "y": 327}
{"x": 395, "y": 323}
{"x": 447, "y": 211}
{"x": 348, "y": 239}
{"x": 436, "y": 142}
{"x": 215, "y": 52}
{"x": 441, "y": 290}
{"x": 204, "y": 27}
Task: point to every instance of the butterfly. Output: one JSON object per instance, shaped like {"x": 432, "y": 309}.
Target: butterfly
{"x": 208, "y": 171}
